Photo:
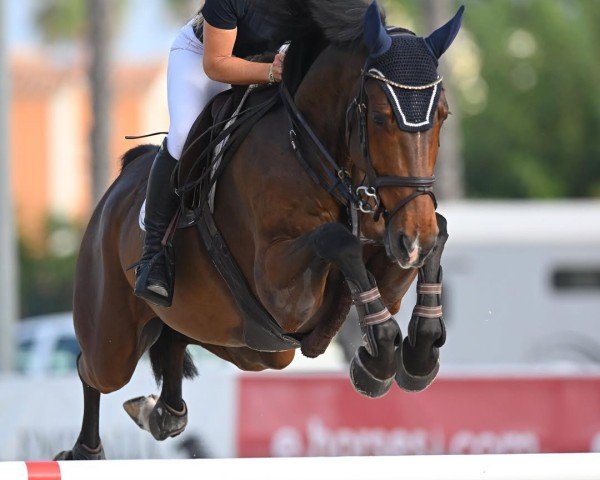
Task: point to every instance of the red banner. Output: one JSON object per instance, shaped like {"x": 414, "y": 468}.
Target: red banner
{"x": 317, "y": 415}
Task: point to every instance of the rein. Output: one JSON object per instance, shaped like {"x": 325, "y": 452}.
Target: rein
{"x": 338, "y": 183}
{"x": 335, "y": 179}
{"x": 218, "y": 133}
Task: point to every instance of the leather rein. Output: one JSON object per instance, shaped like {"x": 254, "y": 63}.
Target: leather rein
{"x": 335, "y": 179}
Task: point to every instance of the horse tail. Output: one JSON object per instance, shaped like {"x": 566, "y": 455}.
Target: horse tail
{"x": 162, "y": 349}
{"x": 137, "y": 152}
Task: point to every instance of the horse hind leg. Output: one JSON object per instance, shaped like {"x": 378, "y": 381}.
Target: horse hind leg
{"x": 165, "y": 416}
{"x": 88, "y": 445}
{"x": 373, "y": 367}
{"x": 418, "y": 359}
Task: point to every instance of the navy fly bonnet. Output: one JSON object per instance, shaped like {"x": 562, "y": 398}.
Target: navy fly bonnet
{"x": 406, "y": 67}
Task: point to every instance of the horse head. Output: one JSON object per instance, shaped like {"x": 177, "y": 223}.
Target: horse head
{"x": 400, "y": 108}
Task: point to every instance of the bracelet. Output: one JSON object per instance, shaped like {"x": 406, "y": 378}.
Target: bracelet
{"x": 271, "y": 76}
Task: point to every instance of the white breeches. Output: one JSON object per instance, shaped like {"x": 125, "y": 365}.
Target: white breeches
{"x": 188, "y": 88}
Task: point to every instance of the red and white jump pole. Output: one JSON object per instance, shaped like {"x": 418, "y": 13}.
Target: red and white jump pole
{"x": 579, "y": 466}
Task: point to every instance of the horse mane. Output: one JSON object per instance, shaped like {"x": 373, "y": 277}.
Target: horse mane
{"x": 339, "y": 21}
{"x": 135, "y": 152}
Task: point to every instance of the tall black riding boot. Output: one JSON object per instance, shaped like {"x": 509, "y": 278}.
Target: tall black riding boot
{"x": 156, "y": 269}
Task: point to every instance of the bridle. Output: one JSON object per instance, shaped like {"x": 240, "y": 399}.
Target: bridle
{"x": 336, "y": 179}
{"x": 422, "y": 185}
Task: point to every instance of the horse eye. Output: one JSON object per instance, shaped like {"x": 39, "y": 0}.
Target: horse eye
{"x": 379, "y": 119}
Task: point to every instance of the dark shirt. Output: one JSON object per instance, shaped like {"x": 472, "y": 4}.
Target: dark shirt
{"x": 254, "y": 33}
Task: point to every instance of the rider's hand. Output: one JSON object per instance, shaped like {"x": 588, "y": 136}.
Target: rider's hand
{"x": 278, "y": 66}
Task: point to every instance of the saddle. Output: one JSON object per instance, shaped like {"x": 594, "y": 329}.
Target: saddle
{"x": 211, "y": 144}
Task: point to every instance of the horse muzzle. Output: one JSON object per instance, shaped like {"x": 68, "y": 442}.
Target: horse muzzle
{"x": 409, "y": 252}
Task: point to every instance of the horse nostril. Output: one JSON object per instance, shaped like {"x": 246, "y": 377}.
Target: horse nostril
{"x": 407, "y": 242}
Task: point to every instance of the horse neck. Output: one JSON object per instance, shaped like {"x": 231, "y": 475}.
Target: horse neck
{"x": 326, "y": 92}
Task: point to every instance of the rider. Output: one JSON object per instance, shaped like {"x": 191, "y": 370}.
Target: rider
{"x": 207, "y": 55}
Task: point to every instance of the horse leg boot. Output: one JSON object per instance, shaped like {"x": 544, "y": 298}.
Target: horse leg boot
{"x": 155, "y": 270}
{"x": 165, "y": 416}
{"x": 88, "y": 445}
{"x": 373, "y": 368}
{"x": 418, "y": 359}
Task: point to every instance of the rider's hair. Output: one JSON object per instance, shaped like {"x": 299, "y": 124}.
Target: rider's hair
{"x": 198, "y": 18}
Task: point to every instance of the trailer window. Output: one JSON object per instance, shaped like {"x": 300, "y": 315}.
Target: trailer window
{"x": 577, "y": 279}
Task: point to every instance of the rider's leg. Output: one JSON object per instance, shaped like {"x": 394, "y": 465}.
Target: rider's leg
{"x": 154, "y": 280}
{"x": 189, "y": 90}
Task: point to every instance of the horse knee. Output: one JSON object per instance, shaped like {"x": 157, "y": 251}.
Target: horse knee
{"x": 112, "y": 383}
{"x": 442, "y": 228}
{"x": 334, "y": 240}
{"x": 106, "y": 378}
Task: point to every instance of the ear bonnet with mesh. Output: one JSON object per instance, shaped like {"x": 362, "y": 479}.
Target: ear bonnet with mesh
{"x": 409, "y": 63}
{"x": 406, "y": 67}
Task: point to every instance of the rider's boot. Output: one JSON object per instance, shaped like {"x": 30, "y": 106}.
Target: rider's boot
{"x": 156, "y": 268}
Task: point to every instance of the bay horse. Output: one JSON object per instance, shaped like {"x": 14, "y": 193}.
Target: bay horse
{"x": 373, "y": 101}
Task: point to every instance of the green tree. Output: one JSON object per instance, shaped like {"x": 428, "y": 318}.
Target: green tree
{"x": 531, "y": 118}
{"x": 536, "y": 135}
{"x": 46, "y": 275}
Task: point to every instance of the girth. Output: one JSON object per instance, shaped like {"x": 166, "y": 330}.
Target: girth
{"x": 260, "y": 330}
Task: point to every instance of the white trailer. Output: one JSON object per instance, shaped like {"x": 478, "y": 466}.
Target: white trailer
{"x": 521, "y": 283}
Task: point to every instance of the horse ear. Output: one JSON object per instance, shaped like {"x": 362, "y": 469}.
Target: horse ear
{"x": 377, "y": 40}
{"x": 440, "y": 40}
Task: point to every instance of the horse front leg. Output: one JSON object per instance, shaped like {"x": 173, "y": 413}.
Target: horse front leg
{"x": 418, "y": 359}
{"x": 374, "y": 366}
{"x": 291, "y": 278}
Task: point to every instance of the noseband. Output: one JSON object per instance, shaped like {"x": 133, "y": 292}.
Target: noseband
{"x": 336, "y": 179}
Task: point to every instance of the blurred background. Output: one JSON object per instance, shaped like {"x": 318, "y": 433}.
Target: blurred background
{"x": 519, "y": 182}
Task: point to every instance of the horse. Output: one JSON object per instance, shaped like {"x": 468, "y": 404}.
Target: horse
{"x": 305, "y": 253}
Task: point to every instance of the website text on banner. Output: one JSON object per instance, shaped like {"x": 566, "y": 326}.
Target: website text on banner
{"x": 321, "y": 416}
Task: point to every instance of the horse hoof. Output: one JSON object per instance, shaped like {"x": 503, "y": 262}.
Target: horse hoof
{"x": 152, "y": 414}
{"x": 167, "y": 422}
{"x": 139, "y": 409}
{"x": 64, "y": 455}
{"x": 81, "y": 452}
{"x": 365, "y": 383}
{"x": 413, "y": 383}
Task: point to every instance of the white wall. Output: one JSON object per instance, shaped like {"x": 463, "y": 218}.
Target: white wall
{"x": 41, "y": 417}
